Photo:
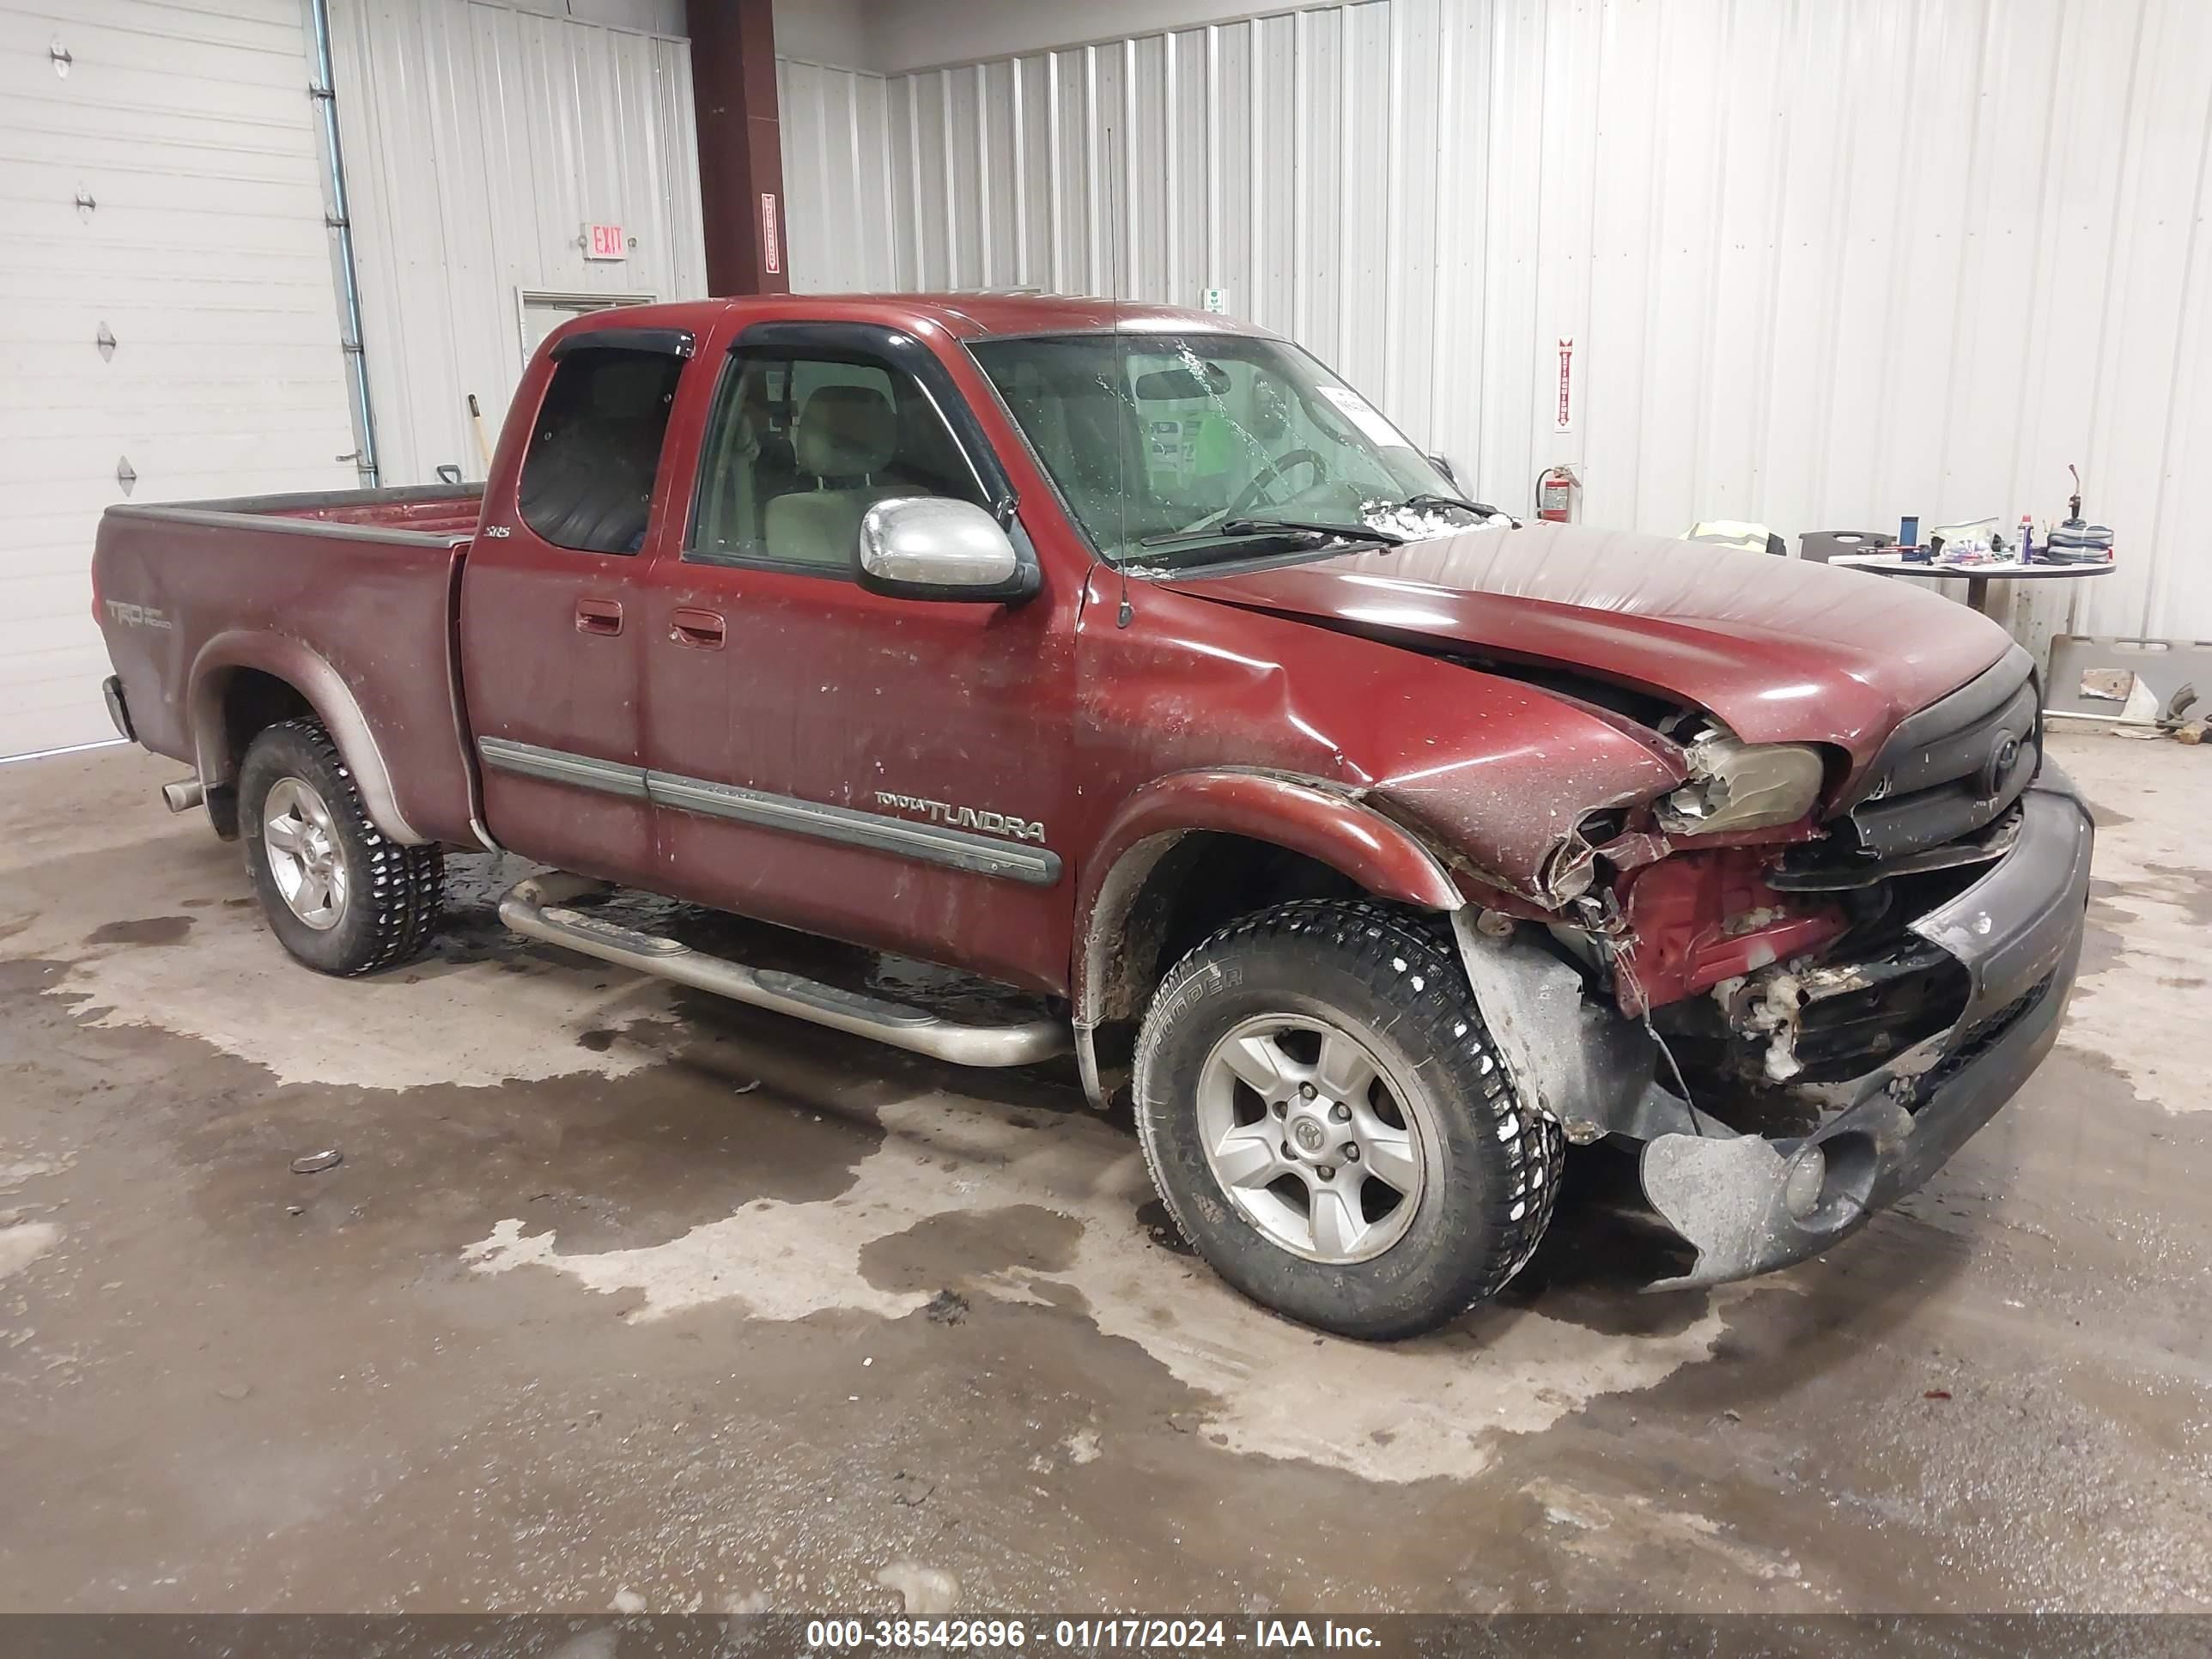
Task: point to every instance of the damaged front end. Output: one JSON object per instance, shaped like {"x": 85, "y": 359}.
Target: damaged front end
{"x": 1799, "y": 1031}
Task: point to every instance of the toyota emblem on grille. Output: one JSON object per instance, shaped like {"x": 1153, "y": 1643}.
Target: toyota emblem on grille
{"x": 2002, "y": 754}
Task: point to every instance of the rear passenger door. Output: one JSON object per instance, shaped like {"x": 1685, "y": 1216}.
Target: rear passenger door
{"x": 549, "y": 634}
{"x": 888, "y": 771}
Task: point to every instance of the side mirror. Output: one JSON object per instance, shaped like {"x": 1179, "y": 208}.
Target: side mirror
{"x": 1443, "y": 465}
{"x": 931, "y": 547}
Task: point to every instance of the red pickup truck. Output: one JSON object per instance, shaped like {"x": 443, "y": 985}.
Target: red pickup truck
{"x": 1127, "y": 660}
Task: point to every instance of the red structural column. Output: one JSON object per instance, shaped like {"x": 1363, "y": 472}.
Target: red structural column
{"x": 740, "y": 146}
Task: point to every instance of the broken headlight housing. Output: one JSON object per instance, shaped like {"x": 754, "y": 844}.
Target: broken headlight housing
{"x": 1734, "y": 785}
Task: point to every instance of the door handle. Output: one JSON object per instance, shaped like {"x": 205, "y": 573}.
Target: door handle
{"x": 599, "y": 616}
{"x": 702, "y": 628}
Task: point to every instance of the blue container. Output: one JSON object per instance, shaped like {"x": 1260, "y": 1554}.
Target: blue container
{"x": 1908, "y": 532}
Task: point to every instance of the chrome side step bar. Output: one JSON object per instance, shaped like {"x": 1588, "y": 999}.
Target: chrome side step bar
{"x": 537, "y": 908}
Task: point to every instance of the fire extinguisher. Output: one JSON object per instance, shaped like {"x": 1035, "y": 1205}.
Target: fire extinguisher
{"x": 1558, "y": 493}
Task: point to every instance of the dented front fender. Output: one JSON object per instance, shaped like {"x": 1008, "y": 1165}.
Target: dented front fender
{"x": 1492, "y": 772}
{"x": 1325, "y": 823}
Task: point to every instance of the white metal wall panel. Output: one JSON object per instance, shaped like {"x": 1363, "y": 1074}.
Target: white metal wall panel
{"x": 189, "y": 130}
{"x": 1034, "y": 150}
{"x": 1822, "y": 264}
{"x": 481, "y": 138}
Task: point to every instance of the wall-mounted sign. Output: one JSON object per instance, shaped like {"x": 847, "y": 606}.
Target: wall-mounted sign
{"x": 605, "y": 242}
{"x": 771, "y": 238}
{"x": 1215, "y": 299}
{"x": 1563, "y": 418}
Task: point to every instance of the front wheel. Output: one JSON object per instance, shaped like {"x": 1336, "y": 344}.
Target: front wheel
{"x": 1325, "y": 1118}
{"x": 344, "y": 897}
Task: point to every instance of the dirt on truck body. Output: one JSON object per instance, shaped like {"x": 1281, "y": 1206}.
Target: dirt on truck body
{"x": 1129, "y": 663}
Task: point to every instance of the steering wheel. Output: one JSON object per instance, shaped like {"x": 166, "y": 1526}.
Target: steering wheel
{"x": 1255, "y": 492}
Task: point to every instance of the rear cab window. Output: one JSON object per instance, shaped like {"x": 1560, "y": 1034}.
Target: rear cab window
{"x": 595, "y": 448}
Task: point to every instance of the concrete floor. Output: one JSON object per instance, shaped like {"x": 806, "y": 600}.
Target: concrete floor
{"x": 624, "y": 1295}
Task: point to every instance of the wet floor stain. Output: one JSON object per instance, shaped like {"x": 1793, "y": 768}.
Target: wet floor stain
{"x": 147, "y": 930}
{"x": 1029, "y": 1218}
{"x": 2150, "y": 904}
{"x": 1161, "y": 1229}
{"x": 222, "y": 981}
{"x": 966, "y": 1245}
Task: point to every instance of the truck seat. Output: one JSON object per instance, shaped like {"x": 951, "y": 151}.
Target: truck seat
{"x": 587, "y": 480}
{"x": 845, "y": 438}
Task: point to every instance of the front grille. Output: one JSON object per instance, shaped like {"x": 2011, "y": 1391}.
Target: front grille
{"x": 1954, "y": 766}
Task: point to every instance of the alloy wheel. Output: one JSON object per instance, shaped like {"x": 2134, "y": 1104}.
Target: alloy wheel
{"x": 1311, "y": 1140}
{"x": 301, "y": 840}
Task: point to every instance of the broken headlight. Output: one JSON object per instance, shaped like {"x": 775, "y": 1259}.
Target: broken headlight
{"x": 1736, "y": 785}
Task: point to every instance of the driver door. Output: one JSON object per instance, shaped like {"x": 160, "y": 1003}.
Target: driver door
{"x": 832, "y": 759}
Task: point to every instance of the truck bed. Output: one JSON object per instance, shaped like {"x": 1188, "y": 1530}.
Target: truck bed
{"x": 359, "y": 587}
{"x": 439, "y": 510}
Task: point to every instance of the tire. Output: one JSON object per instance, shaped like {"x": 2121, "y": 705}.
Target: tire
{"x": 358, "y": 901}
{"x": 1471, "y": 1174}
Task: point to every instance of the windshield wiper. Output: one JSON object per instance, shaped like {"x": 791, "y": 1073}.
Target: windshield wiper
{"x": 1230, "y": 529}
{"x": 1429, "y": 499}
{"x": 1234, "y": 527}
{"x": 1347, "y": 532}
{"x": 1235, "y": 538}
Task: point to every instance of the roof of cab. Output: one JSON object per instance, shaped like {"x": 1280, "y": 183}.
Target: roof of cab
{"x": 964, "y": 316}
{"x": 973, "y": 316}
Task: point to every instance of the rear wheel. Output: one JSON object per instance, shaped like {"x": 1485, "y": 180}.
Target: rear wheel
{"x": 343, "y": 897}
{"x": 1325, "y": 1118}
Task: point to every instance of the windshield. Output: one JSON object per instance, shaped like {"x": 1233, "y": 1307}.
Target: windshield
{"x": 1165, "y": 446}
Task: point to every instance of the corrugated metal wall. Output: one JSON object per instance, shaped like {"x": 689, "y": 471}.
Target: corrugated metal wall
{"x": 1822, "y": 262}
{"x": 836, "y": 178}
{"x": 480, "y": 140}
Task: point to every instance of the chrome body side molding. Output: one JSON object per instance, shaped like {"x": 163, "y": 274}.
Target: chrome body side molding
{"x": 528, "y": 760}
{"x": 957, "y": 849}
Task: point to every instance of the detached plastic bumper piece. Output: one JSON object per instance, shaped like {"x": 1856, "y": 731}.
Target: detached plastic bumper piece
{"x": 1750, "y": 1205}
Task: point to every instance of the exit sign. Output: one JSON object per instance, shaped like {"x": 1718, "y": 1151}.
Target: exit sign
{"x": 605, "y": 242}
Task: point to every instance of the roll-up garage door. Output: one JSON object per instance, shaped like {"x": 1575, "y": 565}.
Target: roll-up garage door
{"x": 168, "y": 322}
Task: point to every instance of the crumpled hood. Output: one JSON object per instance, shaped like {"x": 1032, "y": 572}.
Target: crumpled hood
{"x": 1782, "y": 650}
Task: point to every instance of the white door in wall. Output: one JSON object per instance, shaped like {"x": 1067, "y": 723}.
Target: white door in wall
{"x": 168, "y": 323}
{"x": 510, "y": 166}
{"x": 542, "y": 312}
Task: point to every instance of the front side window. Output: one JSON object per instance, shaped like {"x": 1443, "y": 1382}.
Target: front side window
{"x": 799, "y": 448}
{"x": 595, "y": 449}
{"x": 1157, "y": 441}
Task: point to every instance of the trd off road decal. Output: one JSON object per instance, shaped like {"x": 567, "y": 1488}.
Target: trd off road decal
{"x": 135, "y": 616}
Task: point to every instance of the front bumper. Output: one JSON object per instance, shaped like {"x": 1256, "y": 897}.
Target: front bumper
{"x": 1750, "y": 1205}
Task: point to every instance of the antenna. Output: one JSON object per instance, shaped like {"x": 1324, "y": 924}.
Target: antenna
{"x": 1122, "y": 423}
